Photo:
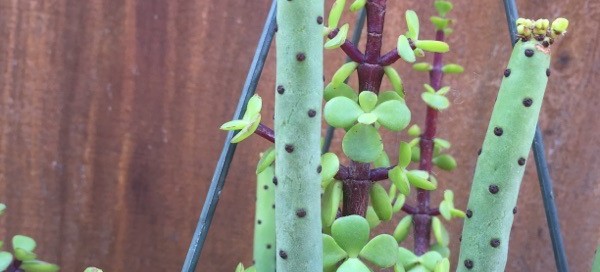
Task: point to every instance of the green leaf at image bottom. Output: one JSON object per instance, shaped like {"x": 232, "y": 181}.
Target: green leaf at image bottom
{"x": 38, "y": 266}
{"x": 332, "y": 252}
{"x": 362, "y": 143}
{"x": 353, "y": 265}
{"x": 5, "y": 260}
{"x": 381, "y": 251}
{"x": 351, "y": 233}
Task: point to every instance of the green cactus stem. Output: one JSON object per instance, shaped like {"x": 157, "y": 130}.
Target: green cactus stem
{"x": 298, "y": 98}
{"x": 264, "y": 228}
{"x": 501, "y": 164}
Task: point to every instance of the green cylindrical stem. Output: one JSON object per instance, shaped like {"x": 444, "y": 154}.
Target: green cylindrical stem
{"x": 264, "y": 223}
{"x": 501, "y": 164}
{"x": 298, "y": 98}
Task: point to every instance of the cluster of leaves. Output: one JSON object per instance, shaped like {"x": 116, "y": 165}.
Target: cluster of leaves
{"x": 23, "y": 256}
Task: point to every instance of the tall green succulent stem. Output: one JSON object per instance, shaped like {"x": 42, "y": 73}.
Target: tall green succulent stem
{"x": 298, "y": 98}
{"x": 501, "y": 163}
{"x": 264, "y": 228}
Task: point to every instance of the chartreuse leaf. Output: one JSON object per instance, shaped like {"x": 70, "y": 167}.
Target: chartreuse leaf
{"x": 336, "y": 13}
{"x": 418, "y": 178}
{"x": 394, "y": 79}
{"x": 23, "y": 242}
{"x": 2, "y": 208}
{"x": 343, "y": 73}
{"x": 403, "y": 228}
{"x": 414, "y": 131}
{"x": 439, "y": 22}
{"x": 339, "y": 90}
{"x": 362, "y": 143}
{"x": 38, "y": 266}
{"x": 443, "y": 7}
{"x": 439, "y": 232}
{"x": 441, "y": 143}
{"x": 387, "y": 96}
{"x": 266, "y": 159}
{"x": 95, "y": 269}
{"x": 341, "y": 112}
{"x": 247, "y": 130}
{"x": 428, "y": 88}
{"x": 406, "y": 257}
{"x": 404, "y": 50}
{"x": 419, "y": 52}
{"x": 332, "y": 252}
{"x": 445, "y": 162}
{"x": 398, "y": 203}
{"x": 234, "y": 125}
{"x": 443, "y": 91}
{"x": 393, "y": 115}
{"x": 330, "y": 202}
{"x": 357, "y": 5}
{"x": 433, "y": 46}
{"x": 452, "y": 69}
{"x": 436, "y": 101}
{"x": 351, "y": 233}
{"x": 442, "y": 250}
{"x": 381, "y": 202}
{"x": 239, "y": 268}
{"x": 442, "y": 266}
{"x": 430, "y": 259}
{"x": 412, "y": 22}
{"x": 353, "y": 265}
{"x": 251, "y": 269}
{"x": 24, "y": 255}
{"x": 445, "y": 210}
{"x": 367, "y": 100}
{"x": 254, "y": 107}
{"x": 404, "y": 154}
{"x": 339, "y": 39}
{"x": 371, "y": 216}
{"x": 422, "y": 67}
{"x": 400, "y": 180}
{"x": 5, "y": 260}
{"x": 381, "y": 251}
{"x": 330, "y": 165}
{"x": 382, "y": 161}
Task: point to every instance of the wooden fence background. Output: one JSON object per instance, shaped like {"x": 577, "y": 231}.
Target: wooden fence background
{"x": 109, "y": 116}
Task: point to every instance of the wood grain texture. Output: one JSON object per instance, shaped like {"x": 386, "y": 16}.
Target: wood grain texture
{"x": 109, "y": 116}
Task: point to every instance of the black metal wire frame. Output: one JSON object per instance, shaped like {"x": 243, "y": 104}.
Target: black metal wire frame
{"x": 541, "y": 164}
{"x": 218, "y": 179}
{"x": 360, "y": 24}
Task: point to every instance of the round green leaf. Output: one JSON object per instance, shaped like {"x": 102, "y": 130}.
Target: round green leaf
{"x": 382, "y": 161}
{"x": 445, "y": 162}
{"x": 247, "y": 130}
{"x": 266, "y": 159}
{"x": 353, "y": 265}
{"x": 234, "y": 125}
{"x": 343, "y": 73}
{"x": 387, "y": 96}
{"x": 351, "y": 233}
{"x": 367, "y": 100}
{"x": 332, "y": 252}
{"x": 452, "y": 69}
{"x": 393, "y": 115}
{"x": 430, "y": 259}
{"x": 367, "y": 118}
{"x": 381, "y": 202}
{"x": 433, "y": 46}
{"x": 372, "y": 218}
{"x": 341, "y": 112}
{"x": 404, "y": 50}
{"x": 23, "y": 242}
{"x": 5, "y": 260}
{"x": 403, "y": 228}
{"x": 418, "y": 178}
{"x": 342, "y": 89}
{"x": 362, "y": 143}
{"x": 439, "y": 232}
{"x": 436, "y": 101}
{"x": 443, "y": 7}
{"x": 442, "y": 266}
{"x": 400, "y": 180}
{"x": 254, "y": 107}
{"x": 339, "y": 39}
{"x": 24, "y": 255}
{"x": 394, "y": 79}
{"x": 416, "y": 154}
{"x": 330, "y": 164}
{"x": 404, "y": 154}
{"x": 412, "y": 22}
{"x": 38, "y": 266}
{"x": 406, "y": 257}
{"x": 381, "y": 251}
{"x": 330, "y": 202}
{"x": 414, "y": 131}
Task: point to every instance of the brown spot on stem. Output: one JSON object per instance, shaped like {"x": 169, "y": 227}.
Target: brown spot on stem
{"x": 548, "y": 72}
{"x": 283, "y": 254}
{"x": 529, "y": 53}
{"x": 312, "y": 113}
{"x": 521, "y": 161}
{"x": 515, "y": 210}
{"x": 527, "y": 102}
{"x": 320, "y": 20}
{"x": 468, "y": 264}
{"x": 506, "y": 72}
{"x": 495, "y": 242}
{"x": 301, "y": 213}
{"x": 494, "y": 189}
{"x": 280, "y": 89}
{"x": 498, "y": 131}
{"x": 289, "y": 148}
{"x": 319, "y": 169}
{"x": 469, "y": 213}
{"x": 300, "y": 57}
{"x": 275, "y": 181}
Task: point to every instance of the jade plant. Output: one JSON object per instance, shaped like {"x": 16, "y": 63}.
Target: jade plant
{"x": 324, "y": 210}
{"x": 23, "y": 257}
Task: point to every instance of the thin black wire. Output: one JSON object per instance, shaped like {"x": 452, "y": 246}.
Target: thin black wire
{"x": 360, "y": 24}
{"x": 218, "y": 179}
{"x": 541, "y": 164}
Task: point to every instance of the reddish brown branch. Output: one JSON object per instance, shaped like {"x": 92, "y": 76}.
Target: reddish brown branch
{"x": 266, "y": 132}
